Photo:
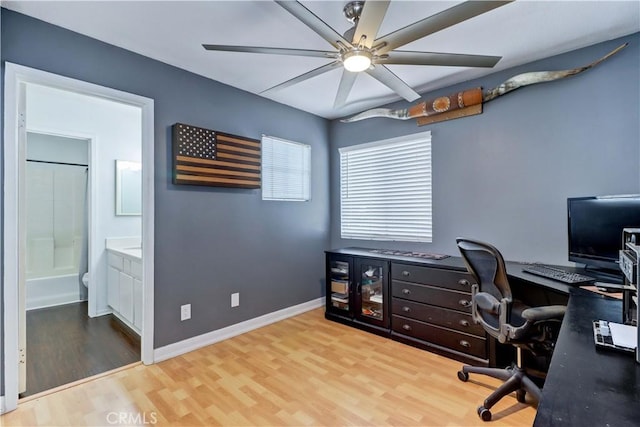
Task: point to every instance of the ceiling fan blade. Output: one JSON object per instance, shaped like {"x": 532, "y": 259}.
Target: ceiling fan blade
{"x": 435, "y": 23}
{"x": 272, "y": 50}
{"x": 346, "y": 83}
{"x": 316, "y": 24}
{"x": 387, "y": 78}
{"x": 369, "y": 23}
{"x": 435, "y": 58}
{"x": 302, "y": 77}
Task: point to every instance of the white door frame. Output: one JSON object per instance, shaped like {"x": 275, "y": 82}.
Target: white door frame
{"x": 15, "y": 75}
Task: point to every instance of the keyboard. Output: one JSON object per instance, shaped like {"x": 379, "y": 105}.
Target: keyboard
{"x": 558, "y": 274}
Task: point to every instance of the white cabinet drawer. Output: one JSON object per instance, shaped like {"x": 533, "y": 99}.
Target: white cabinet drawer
{"x": 136, "y": 269}
{"x": 126, "y": 265}
{"x": 115, "y": 260}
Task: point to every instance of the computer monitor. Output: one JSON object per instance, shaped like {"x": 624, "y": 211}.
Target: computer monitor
{"x": 595, "y": 228}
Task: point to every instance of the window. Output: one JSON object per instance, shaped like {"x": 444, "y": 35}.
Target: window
{"x": 385, "y": 190}
{"x": 286, "y": 170}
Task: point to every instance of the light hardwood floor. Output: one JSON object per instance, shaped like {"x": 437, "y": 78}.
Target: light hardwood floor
{"x": 301, "y": 371}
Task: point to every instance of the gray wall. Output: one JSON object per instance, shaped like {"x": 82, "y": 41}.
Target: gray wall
{"x": 504, "y": 176}
{"x": 209, "y": 242}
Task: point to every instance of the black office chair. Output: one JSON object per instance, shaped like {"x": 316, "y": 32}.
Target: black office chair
{"x": 509, "y": 321}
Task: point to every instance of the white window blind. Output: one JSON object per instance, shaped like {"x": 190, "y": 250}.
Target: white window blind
{"x": 385, "y": 190}
{"x": 286, "y": 170}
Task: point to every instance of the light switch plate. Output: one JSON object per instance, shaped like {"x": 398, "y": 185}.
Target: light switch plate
{"x": 185, "y": 312}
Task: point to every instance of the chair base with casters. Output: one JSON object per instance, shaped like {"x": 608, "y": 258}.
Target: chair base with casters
{"x": 515, "y": 379}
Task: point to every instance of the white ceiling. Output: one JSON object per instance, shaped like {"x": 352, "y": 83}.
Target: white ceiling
{"x": 174, "y": 31}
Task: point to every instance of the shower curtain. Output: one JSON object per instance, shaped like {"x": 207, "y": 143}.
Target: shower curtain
{"x": 56, "y": 231}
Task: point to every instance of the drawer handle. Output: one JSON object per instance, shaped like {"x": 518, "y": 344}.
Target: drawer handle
{"x": 405, "y": 273}
{"x": 464, "y": 303}
{"x": 406, "y": 291}
{"x": 464, "y": 282}
{"x": 464, "y": 322}
{"x": 406, "y": 309}
{"x": 406, "y": 327}
{"x": 465, "y": 343}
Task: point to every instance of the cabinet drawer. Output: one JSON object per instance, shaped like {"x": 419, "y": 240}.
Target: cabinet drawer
{"x": 136, "y": 269}
{"x": 436, "y": 315}
{"x": 464, "y": 343}
{"x": 432, "y": 295}
{"x": 115, "y": 260}
{"x": 450, "y": 279}
{"x": 126, "y": 265}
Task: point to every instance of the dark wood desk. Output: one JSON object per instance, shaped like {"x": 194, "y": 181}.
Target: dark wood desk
{"x": 585, "y": 386}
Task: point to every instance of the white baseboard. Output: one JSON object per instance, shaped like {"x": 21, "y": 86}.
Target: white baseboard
{"x": 103, "y": 312}
{"x": 3, "y": 408}
{"x": 191, "y": 344}
{"x": 52, "y": 301}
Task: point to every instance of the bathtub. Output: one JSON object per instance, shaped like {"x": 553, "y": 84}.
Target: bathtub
{"x": 49, "y": 291}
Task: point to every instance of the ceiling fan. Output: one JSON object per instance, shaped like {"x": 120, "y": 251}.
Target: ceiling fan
{"x": 358, "y": 50}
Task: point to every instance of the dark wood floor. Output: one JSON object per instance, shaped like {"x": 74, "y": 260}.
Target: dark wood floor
{"x": 64, "y": 345}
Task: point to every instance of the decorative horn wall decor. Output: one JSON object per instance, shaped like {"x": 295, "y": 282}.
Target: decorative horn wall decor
{"x": 207, "y": 157}
{"x": 469, "y": 102}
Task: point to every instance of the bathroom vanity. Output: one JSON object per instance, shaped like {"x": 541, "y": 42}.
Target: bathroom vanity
{"x": 124, "y": 281}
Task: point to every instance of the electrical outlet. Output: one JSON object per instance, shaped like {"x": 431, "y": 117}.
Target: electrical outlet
{"x": 235, "y": 299}
{"x": 185, "y": 312}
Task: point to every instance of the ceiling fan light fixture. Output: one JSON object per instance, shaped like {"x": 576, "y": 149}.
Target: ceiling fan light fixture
{"x": 356, "y": 60}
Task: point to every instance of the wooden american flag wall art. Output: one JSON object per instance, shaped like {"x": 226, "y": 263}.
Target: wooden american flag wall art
{"x": 207, "y": 157}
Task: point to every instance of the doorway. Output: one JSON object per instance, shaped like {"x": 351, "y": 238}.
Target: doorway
{"x": 64, "y": 344}
{"x": 17, "y": 79}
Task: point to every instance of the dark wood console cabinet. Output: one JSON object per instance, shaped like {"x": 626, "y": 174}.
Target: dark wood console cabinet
{"x": 358, "y": 292}
{"x": 424, "y": 303}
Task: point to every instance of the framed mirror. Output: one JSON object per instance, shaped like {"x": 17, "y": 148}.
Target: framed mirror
{"x": 128, "y": 188}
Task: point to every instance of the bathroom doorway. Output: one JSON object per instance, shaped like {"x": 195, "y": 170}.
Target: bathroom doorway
{"x": 28, "y": 116}
{"x": 63, "y": 344}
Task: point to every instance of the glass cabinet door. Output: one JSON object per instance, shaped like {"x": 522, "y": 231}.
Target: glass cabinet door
{"x": 372, "y": 287}
{"x": 340, "y": 284}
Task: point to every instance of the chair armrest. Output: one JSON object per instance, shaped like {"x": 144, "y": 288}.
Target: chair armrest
{"x": 535, "y": 314}
{"x": 487, "y": 302}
